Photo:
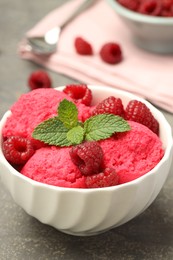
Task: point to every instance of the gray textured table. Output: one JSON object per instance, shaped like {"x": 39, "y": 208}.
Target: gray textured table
{"x": 149, "y": 236}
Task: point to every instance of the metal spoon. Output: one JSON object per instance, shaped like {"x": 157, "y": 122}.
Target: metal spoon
{"x": 47, "y": 44}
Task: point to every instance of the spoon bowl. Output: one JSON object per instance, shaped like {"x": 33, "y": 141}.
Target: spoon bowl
{"x": 46, "y": 44}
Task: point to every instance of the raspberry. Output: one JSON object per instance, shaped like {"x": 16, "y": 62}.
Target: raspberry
{"x": 82, "y": 46}
{"x": 39, "y": 79}
{"x": 17, "y": 150}
{"x": 110, "y": 105}
{"x": 167, "y": 4}
{"x": 139, "y": 112}
{"x": 106, "y": 178}
{"x": 80, "y": 93}
{"x": 111, "y": 53}
{"x": 150, "y": 7}
{"x": 167, "y": 13}
{"x": 167, "y": 8}
{"x": 130, "y": 4}
{"x": 88, "y": 157}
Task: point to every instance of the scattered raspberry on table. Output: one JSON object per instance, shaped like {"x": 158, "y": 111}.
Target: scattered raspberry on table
{"x": 111, "y": 53}
{"x": 82, "y": 46}
{"x": 39, "y": 79}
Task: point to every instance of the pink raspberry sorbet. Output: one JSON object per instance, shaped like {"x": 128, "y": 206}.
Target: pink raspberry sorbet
{"x": 133, "y": 153}
{"x": 54, "y": 166}
{"x": 33, "y": 108}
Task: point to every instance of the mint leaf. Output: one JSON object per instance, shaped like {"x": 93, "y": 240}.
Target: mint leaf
{"x": 52, "y": 132}
{"x": 103, "y": 126}
{"x": 66, "y": 130}
{"x": 68, "y": 113}
{"x": 76, "y": 135}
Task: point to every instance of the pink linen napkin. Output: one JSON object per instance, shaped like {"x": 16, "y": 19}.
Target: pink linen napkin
{"x": 143, "y": 73}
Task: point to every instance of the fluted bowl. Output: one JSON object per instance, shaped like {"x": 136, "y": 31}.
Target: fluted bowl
{"x": 87, "y": 212}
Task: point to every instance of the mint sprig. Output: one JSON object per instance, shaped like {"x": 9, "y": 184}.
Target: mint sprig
{"x": 65, "y": 129}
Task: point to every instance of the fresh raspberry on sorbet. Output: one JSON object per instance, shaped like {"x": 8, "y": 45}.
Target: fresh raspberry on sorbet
{"x": 139, "y": 112}
{"x": 18, "y": 150}
{"x": 87, "y": 157}
{"x": 79, "y": 93}
{"x": 82, "y": 46}
{"x": 111, "y": 53}
{"x": 107, "y": 178}
{"x": 110, "y": 105}
{"x": 39, "y": 79}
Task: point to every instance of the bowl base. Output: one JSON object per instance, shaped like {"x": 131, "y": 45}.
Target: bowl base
{"x": 85, "y": 233}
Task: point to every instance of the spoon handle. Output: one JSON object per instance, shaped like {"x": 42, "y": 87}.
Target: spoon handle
{"x": 85, "y": 4}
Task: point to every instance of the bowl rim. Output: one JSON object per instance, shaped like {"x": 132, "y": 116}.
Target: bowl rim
{"x": 137, "y": 17}
{"x": 84, "y": 190}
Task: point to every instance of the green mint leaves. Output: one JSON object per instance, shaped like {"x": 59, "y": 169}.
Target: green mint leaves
{"x": 66, "y": 130}
{"x": 76, "y": 135}
{"x": 103, "y": 126}
{"x": 53, "y": 132}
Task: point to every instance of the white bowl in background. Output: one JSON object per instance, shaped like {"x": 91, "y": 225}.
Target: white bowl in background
{"x": 152, "y": 33}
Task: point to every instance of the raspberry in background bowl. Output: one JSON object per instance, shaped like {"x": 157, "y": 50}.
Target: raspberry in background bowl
{"x": 152, "y": 33}
{"x": 90, "y": 211}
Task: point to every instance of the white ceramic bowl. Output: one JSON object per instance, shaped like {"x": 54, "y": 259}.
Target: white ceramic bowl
{"x": 90, "y": 211}
{"x": 148, "y": 32}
